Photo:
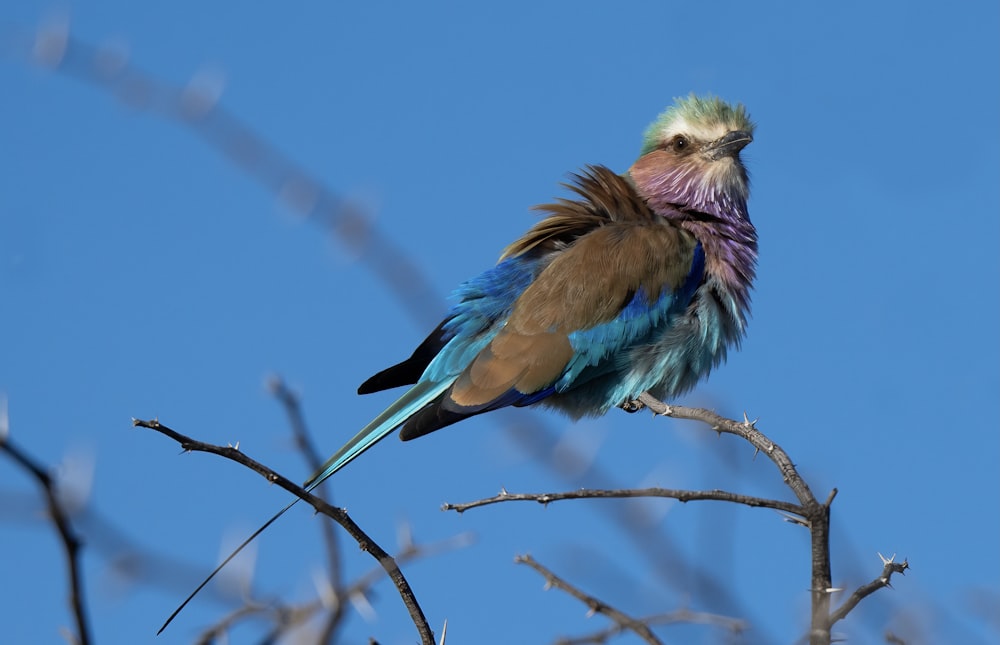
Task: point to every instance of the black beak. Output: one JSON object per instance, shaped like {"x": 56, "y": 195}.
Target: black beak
{"x": 729, "y": 145}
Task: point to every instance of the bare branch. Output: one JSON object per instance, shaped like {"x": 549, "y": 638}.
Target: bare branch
{"x": 596, "y": 606}
{"x": 889, "y": 567}
{"x": 816, "y": 514}
{"x": 339, "y": 515}
{"x": 733, "y": 625}
{"x": 71, "y": 543}
{"x": 672, "y": 493}
{"x": 745, "y": 429}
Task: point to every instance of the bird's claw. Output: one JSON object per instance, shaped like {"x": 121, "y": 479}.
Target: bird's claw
{"x": 632, "y": 406}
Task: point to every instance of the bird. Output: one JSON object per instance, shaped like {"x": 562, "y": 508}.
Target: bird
{"x": 638, "y": 282}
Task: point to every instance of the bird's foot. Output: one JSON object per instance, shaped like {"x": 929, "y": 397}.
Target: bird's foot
{"x": 632, "y": 406}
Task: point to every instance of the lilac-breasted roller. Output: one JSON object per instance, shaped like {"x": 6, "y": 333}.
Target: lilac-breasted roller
{"x": 641, "y": 282}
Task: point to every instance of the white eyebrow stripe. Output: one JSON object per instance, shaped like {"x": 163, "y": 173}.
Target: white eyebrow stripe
{"x": 681, "y": 125}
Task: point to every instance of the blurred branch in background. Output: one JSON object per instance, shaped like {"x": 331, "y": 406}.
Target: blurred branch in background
{"x": 622, "y": 621}
{"x": 304, "y": 443}
{"x": 58, "y": 512}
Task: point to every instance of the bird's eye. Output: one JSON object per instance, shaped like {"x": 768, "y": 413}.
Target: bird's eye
{"x": 679, "y": 144}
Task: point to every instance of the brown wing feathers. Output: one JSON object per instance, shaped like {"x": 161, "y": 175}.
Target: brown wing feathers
{"x": 609, "y": 245}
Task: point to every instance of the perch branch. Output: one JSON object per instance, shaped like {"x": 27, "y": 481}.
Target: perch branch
{"x": 586, "y": 493}
{"x": 816, "y": 514}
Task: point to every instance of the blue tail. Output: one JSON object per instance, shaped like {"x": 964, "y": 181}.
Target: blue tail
{"x": 415, "y": 398}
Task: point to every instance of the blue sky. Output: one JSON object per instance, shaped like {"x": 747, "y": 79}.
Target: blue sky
{"x": 144, "y": 274}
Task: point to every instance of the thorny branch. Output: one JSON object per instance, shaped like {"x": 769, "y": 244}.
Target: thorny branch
{"x": 640, "y": 628}
{"x": 339, "y": 515}
{"x": 889, "y": 567}
{"x": 71, "y": 543}
{"x": 815, "y": 513}
{"x": 589, "y": 493}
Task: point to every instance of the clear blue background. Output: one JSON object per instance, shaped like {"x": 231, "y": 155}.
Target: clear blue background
{"x": 143, "y": 274}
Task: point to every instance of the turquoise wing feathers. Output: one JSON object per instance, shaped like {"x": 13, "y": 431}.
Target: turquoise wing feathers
{"x": 414, "y": 399}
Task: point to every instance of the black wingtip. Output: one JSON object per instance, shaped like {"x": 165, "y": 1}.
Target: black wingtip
{"x": 409, "y": 371}
{"x": 433, "y": 416}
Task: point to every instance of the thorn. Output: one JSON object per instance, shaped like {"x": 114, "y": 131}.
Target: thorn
{"x": 833, "y": 589}
{"x": 792, "y": 519}
{"x": 885, "y": 560}
{"x": 748, "y": 423}
{"x": 503, "y": 491}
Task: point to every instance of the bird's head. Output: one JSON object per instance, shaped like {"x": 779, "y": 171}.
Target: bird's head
{"x": 690, "y": 158}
